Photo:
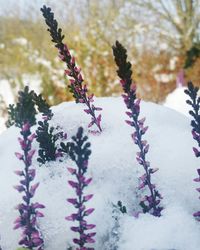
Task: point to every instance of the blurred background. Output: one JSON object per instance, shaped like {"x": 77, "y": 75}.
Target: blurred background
{"x": 162, "y": 39}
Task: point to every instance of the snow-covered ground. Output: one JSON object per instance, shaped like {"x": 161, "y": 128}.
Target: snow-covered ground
{"x": 115, "y": 175}
{"x": 177, "y": 101}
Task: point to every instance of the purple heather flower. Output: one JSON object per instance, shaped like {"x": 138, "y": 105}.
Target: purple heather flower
{"x": 73, "y": 72}
{"x": 80, "y": 148}
{"x": 19, "y": 156}
{"x": 194, "y": 102}
{"x": 27, "y": 220}
{"x": 132, "y": 103}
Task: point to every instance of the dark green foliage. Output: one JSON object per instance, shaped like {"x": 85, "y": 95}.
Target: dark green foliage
{"x": 64, "y": 147}
{"x": 45, "y": 134}
{"x": 192, "y": 56}
{"x": 24, "y": 111}
{"x": 55, "y": 32}
{"x": 195, "y": 103}
{"x": 145, "y": 208}
{"x": 47, "y": 140}
{"x": 11, "y": 115}
{"x": 121, "y": 207}
{"x": 57, "y": 38}
{"x": 42, "y": 106}
{"x": 124, "y": 67}
{"x": 78, "y": 149}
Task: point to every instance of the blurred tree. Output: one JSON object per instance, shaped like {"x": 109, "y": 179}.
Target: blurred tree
{"x": 179, "y": 21}
{"x": 163, "y": 29}
{"x": 157, "y": 49}
{"x": 192, "y": 55}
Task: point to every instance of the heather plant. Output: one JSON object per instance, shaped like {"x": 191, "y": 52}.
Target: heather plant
{"x": 79, "y": 152}
{"x": 47, "y": 142}
{"x": 47, "y": 137}
{"x": 11, "y": 115}
{"x": 121, "y": 207}
{"x": 43, "y": 106}
{"x": 24, "y": 111}
{"x": 45, "y": 134}
{"x": 149, "y": 203}
{"x": 28, "y": 210}
{"x": 194, "y": 102}
{"x": 76, "y": 86}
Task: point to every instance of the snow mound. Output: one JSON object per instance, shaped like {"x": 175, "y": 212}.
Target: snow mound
{"x": 115, "y": 171}
{"x": 177, "y": 101}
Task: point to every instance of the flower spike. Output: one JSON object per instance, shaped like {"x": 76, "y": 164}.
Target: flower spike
{"x": 79, "y": 151}
{"x": 28, "y": 211}
{"x": 152, "y": 201}
{"x": 194, "y": 102}
{"x": 76, "y": 86}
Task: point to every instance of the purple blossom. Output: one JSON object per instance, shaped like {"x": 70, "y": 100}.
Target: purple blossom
{"x": 73, "y": 72}
{"x": 151, "y": 202}
{"x": 79, "y": 91}
{"x": 79, "y": 153}
{"x": 194, "y": 102}
{"x": 28, "y": 211}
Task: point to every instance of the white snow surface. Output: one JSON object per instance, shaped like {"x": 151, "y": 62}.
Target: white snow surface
{"x": 177, "y": 100}
{"x": 115, "y": 175}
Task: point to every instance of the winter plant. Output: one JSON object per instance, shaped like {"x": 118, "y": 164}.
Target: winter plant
{"x": 47, "y": 141}
{"x": 24, "y": 110}
{"x": 76, "y": 86}
{"x": 46, "y": 135}
{"x": 43, "y": 106}
{"x": 194, "y": 102}
{"x": 28, "y": 210}
{"x": 121, "y": 207}
{"x": 79, "y": 152}
{"x": 149, "y": 203}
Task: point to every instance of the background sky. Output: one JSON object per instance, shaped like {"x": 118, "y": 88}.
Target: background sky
{"x": 8, "y": 6}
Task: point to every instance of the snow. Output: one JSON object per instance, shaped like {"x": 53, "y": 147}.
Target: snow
{"x": 164, "y": 78}
{"x": 115, "y": 173}
{"x": 177, "y": 101}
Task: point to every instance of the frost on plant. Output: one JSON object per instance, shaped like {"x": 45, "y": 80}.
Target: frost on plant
{"x": 76, "y": 86}
{"x": 113, "y": 236}
{"x": 79, "y": 152}
{"x": 149, "y": 203}
{"x": 194, "y": 102}
{"x": 28, "y": 210}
